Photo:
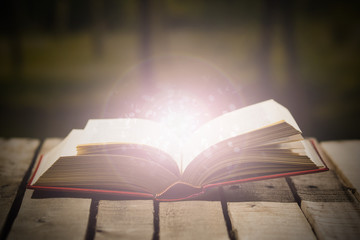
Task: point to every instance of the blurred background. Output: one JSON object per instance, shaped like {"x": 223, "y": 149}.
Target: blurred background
{"x": 63, "y": 62}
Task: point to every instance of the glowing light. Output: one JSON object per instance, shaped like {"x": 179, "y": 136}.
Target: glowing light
{"x": 181, "y": 123}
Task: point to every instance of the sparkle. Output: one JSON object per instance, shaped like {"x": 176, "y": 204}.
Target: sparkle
{"x": 180, "y": 122}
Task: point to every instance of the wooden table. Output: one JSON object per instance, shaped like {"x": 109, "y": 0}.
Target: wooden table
{"x": 316, "y": 206}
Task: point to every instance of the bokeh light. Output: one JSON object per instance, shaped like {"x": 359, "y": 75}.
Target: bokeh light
{"x": 184, "y": 93}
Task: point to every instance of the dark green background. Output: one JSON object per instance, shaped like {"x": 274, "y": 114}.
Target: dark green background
{"x": 61, "y": 61}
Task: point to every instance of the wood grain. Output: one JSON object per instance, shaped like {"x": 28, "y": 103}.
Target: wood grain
{"x": 125, "y": 220}
{"x": 320, "y": 187}
{"x": 264, "y": 209}
{"x": 192, "y": 220}
{"x": 333, "y": 220}
{"x": 329, "y": 206}
{"x": 269, "y": 220}
{"x": 51, "y": 218}
{"x": 16, "y": 155}
{"x": 272, "y": 190}
{"x": 345, "y": 157}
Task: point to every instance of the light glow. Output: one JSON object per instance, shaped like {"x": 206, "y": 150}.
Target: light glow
{"x": 181, "y": 122}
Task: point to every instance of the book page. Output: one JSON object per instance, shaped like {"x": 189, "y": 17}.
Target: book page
{"x": 236, "y": 123}
{"x": 67, "y": 147}
{"x": 108, "y": 172}
{"x": 132, "y": 130}
{"x": 312, "y": 153}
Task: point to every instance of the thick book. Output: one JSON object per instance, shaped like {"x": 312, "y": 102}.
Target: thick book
{"x": 143, "y": 158}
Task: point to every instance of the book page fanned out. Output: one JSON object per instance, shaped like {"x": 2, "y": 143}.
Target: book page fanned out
{"x": 142, "y": 156}
{"x": 132, "y": 130}
{"x": 236, "y": 123}
{"x": 67, "y": 147}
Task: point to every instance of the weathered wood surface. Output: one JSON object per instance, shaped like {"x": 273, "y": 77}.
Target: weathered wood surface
{"x": 264, "y": 209}
{"x": 51, "y": 218}
{"x": 320, "y": 187}
{"x": 16, "y": 155}
{"x": 125, "y": 220}
{"x": 273, "y": 190}
{"x": 345, "y": 156}
{"x": 269, "y": 220}
{"x": 329, "y": 206}
{"x": 333, "y": 220}
{"x": 192, "y": 220}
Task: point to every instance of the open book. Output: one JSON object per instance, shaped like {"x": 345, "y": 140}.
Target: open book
{"x": 143, "y": 158}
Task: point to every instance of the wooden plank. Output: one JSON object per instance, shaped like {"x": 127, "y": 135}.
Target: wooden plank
{"x": 345, "y": 156}
{"x": 273, "y": 190}
{"x": 51, "y": 218}
{"x": 192, "y": 220}
{"x": 331, "y": 209}
{"x": 125, "y": 219}
{"x": 269, "y": 220}
{"x": 16, "y": 155}
{"x": 320, "y": 187}
{"x": 333, "y": 220}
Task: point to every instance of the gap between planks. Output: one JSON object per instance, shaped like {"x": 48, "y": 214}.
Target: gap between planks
{"x": 55, "y": 218}
{"x": 317, "y": 192}
{"x": 332, "y": 211}
{"x": 203, "y": 219}
{"x": 266, "y": 210}
{"x": 20, "y": 192}
{"x": 147, "y": 219}
{"x": 91, "y": 226}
